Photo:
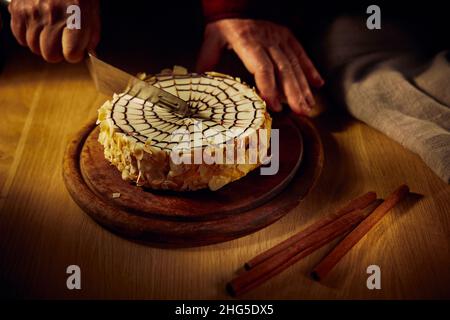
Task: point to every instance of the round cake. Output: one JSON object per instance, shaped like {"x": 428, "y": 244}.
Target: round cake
{"x": 156, "y": 147}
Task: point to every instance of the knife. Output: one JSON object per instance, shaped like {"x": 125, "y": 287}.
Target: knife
{"x": 109, "y": 79}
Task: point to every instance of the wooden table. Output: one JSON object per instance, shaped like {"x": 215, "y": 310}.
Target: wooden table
{"x": 42, "y": 231}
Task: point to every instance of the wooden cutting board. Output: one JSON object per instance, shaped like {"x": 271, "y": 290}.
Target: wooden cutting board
{"x": 175, "y": 219}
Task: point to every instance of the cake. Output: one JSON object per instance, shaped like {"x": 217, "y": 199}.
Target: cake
{"x": 155, "y": 147}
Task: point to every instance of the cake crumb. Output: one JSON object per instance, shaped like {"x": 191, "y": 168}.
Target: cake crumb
{"x": 116, "y": 195}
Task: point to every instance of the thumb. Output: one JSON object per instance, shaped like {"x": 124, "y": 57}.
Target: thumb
{"x": 209, "y": 55}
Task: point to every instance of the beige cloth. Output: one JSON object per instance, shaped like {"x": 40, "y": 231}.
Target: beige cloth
{"x": 383, "y": 81}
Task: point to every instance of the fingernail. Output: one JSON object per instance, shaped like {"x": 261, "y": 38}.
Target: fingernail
{"x": 321, "y": 81}
{"x": 277, "y": 106}
{"x": 310, "y": 100}
{"x": 304, "y": 106}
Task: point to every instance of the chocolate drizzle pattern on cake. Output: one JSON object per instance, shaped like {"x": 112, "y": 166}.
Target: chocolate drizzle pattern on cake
{"x": 220, "y": 102}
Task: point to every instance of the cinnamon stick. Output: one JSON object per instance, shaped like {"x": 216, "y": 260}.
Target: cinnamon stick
{"x": 285, "y": 258}
{"x": 360, "y": 202}
{"x": 327, "y": 264}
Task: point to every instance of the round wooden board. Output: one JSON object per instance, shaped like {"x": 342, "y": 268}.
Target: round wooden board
{"x": 203, "y": 217}
{"x": 247, "y": 193}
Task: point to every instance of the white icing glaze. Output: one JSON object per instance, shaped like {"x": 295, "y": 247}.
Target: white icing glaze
{"x": 222, "y": 104}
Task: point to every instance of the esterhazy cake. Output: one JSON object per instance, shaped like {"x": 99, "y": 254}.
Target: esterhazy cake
{"x": 140, "y": 137}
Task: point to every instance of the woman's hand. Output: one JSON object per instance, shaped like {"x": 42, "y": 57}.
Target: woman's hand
{"x": 41, "y": 25}
{"x": 271, "y": 53}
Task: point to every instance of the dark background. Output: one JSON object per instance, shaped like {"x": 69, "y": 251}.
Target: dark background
{"x": 151, "y": 35}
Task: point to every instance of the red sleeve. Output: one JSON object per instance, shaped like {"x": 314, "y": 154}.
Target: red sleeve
{"x": 222, "y": 9}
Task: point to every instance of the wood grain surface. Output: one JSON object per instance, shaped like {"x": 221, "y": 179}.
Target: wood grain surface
{"x": 42, "y": 230}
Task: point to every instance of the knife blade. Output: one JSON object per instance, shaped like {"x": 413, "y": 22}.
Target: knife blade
{"x": 109, "y": 79}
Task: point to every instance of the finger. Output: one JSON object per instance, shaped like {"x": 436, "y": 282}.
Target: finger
{"x": 256, "y": 60}
{"x": 32, "y": 36}
{"x": 299, "y": 74}
{"x": 288, "y": 81}
{"x": 19, "y": 30}
{"x": 74, "y": 44}
{"x": 50, "y": 43}
{"x": 18, "y": 26}
{"x": 210, "y": 53}
{"x": 308, "y": 67}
